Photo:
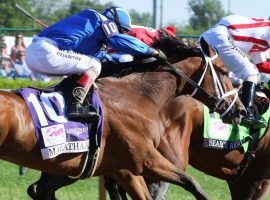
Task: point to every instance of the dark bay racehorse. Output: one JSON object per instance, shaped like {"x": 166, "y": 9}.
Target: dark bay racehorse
{"x": 132, "y": 128}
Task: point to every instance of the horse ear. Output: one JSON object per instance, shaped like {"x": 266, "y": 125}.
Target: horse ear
{"x": 208, "y": 50}
{"x": 205, "y": 47}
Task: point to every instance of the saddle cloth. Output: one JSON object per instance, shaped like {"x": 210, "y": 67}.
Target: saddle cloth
{"x": 55, "y": 133}
{"x": 218, "y": 135}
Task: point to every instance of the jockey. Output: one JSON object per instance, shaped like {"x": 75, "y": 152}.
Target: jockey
{"x": 70, "y": 45}
{"x": 146, "y": 35}
{"x": 234, "y": 37}
{"x": 150, "y": 35}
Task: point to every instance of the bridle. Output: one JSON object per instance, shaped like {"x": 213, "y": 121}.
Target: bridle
{"x": 221, "y": 100}
{"x": 218, "y": 87}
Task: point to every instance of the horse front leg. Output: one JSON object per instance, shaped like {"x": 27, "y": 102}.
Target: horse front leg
{"x": 45, "y": 187}
{"x": 115, "y": 190}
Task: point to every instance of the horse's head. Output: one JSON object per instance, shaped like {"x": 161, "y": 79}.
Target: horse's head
{"x": 210, "y": 81}
{"x": 233, "y": 110}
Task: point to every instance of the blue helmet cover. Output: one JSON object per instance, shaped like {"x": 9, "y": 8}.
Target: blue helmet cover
{"x": 123, "y": 16}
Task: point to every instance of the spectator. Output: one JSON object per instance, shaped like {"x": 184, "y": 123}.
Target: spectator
{"x": 20, "y": 67}
{"x": 6, "y": 68}
{"x": 4, "y": 53}
{"x": 19, "y": 46}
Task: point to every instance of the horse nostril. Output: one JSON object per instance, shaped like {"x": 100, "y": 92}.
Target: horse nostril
{"x": 243, "y": 112}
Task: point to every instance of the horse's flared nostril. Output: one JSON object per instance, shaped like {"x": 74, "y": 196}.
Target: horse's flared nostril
{"x": 243, "y": 112}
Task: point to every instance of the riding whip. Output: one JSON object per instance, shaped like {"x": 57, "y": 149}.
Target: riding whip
{"x": 17, "y": 6}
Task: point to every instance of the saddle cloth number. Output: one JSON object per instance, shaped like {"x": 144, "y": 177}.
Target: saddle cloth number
{"x": 52, "y": 115}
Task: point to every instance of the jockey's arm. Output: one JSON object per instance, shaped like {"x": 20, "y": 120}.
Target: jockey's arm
{"x": 130, "y": 45}
{"x": 264, "y": 67}
{"x": 103, "y": 56}
{"x": 260, "y": 60}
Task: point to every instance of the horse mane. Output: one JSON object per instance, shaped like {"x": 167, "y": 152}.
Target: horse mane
{"x": 175, "y": 49}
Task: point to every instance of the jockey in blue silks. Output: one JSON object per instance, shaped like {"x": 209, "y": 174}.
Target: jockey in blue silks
{"x": 70, "y": 45}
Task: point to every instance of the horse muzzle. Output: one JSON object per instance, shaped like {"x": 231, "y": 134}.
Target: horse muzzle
{"x": 230, "y": 114}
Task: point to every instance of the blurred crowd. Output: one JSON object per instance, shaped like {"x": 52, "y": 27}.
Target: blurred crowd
{"x": 13, "y": 63}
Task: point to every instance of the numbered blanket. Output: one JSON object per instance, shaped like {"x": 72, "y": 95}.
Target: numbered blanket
{"x": 55, "y": 133}
{"x": 218, "y": 135}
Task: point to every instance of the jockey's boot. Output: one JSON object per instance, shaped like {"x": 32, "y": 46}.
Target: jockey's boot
{"x": 247, "y": 96}
{"x": 75, "y": 108}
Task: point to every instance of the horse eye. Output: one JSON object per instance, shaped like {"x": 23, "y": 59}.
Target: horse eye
{"x": 225, "y": 74}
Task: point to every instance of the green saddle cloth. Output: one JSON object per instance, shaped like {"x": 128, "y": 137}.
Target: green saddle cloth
{"x": 218, "y": 135}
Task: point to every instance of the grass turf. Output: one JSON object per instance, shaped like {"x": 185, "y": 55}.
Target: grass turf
{"x": 13, "y": 186}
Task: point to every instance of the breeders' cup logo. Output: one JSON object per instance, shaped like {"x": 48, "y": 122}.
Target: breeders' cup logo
{"x": 54, "y": 131}
{"x": 54, "y": 135}
{"x": 218, "y": 130}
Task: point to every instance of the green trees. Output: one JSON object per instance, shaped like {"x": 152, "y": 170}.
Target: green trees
{"x": 143, "y": 19}
{"x": 205, "y": 13}
{"x": 51, "y": 11}
{"x": 11, "y": 18}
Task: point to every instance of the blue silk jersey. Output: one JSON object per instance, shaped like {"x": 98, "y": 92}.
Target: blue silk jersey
{"x": 83, "y": 33}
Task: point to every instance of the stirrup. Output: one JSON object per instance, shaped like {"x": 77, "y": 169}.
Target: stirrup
{"x": 78, "y": 111}
{"x": 89, "y": 116}
{"x": 255, "y": 123}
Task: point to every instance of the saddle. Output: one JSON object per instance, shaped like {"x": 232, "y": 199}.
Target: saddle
{"x": 57, "y": 134}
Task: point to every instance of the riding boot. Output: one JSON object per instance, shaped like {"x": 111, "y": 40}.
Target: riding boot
{"x": 248, "y": 91}
{"x": 75, "y": 108}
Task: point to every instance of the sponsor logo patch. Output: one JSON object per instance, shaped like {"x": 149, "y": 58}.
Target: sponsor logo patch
{"x": 54, "y": 135}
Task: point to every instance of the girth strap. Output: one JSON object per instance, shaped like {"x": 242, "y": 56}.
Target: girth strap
{"x": 248, "y": 158}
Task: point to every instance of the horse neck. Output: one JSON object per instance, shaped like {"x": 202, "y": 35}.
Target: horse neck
{"x": 160, "y": 87}
{"x": 195, "y": 69}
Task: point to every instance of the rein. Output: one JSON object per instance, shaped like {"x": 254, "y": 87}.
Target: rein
{"x": 220, "y": 100}
{"x": 218, "y": 87}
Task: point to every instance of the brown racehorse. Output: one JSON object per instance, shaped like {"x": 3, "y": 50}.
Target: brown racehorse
{"x": 182, "y": 144}
{"x": 132, "y": 128}
{"x": 187, "y": 127}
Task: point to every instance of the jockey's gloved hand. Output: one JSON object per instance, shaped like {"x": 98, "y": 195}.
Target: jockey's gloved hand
{"x": 158, "y": 54}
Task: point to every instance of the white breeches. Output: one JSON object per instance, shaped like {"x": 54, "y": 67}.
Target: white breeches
{"x": 43, "y": 56}
{"x": 234, "y": 58}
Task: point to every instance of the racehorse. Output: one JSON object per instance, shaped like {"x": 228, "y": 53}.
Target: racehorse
{"x": 126, "y": 101}
{"x": 253, "y": 183}
{"x": 182, "y": 144}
